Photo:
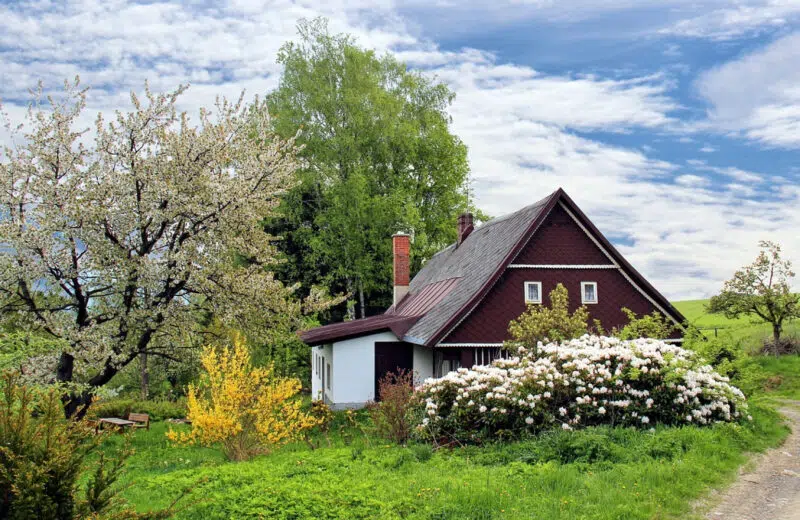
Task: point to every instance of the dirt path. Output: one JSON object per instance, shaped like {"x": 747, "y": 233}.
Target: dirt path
{"x": 769, "y": 488}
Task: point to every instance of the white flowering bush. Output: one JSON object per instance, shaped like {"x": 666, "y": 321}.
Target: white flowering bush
{"x": 581, "y": 382}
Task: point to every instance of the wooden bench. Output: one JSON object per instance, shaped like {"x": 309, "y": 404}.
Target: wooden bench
{"x": 139, "y": 420}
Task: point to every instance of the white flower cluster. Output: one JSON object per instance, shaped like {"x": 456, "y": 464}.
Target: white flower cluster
{"x": 581, "y": 382}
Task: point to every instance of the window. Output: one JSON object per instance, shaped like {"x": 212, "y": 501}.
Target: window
{"x": 329, "y": 376}
{"x": 533, "y": 292}
{"x": 588, "y": 292}
{"x": 485, "y": 355}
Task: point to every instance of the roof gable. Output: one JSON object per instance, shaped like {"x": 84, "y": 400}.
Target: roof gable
{"x": 454, "y": 281}
{"x": 486, "y": 253}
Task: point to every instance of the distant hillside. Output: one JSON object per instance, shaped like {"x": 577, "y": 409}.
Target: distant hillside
{"x": 695, "y": 312}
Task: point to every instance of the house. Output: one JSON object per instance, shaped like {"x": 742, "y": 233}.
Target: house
{"x": 456, "y": 310}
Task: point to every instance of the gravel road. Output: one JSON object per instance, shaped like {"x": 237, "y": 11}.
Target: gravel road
{"x": 768, "y": 489}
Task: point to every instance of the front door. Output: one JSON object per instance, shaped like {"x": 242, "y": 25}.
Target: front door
{"x": 392, "y": 357}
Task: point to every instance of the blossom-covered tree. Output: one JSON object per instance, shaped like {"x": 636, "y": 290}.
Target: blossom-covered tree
{"x": 761, "y": 290}
{"x": 116, "y": 242}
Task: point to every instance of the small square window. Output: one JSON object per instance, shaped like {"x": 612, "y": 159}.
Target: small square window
{"x": 589, "y": 292}
{"x": 533, "y": 292}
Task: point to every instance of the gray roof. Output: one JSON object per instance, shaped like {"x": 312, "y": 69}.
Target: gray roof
{"x": 475, "y": 262}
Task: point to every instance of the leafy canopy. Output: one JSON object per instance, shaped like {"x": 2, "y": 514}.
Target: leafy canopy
{"x": 378, "y": 157}
{"x": 555, "y": 323}
{"x": 761, "y": 290}
{"x": 654, "y": 325}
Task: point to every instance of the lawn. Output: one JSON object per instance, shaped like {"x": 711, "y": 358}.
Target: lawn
{"x": 597, "y": 473}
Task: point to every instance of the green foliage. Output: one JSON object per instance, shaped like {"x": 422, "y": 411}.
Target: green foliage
{"x": 728, "y": 357}
{"x": 391, "y": 415}
{"x": 554, "y": 323}
{"x": 158, "y": 410}
{"x": 599, "y": 473}
{"x": 380, "y": 157}
{"x": 761, "y": 290}
{"x": 42, "y": 455}
{"x": 18, "y": 346}
{"x": 653, "y": 325}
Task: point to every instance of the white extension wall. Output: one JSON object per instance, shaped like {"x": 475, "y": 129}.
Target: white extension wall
{"x": 354, "y": 369}
{"x": 352, "y": 363}
{"x": 423, "y": 363}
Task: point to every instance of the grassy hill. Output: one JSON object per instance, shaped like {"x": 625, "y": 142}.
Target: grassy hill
{"x": 753, "y": 334}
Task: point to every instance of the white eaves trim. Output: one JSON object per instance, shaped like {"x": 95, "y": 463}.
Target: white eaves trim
{"x": 470, "y": 345}
{"x": 563, "y": 266}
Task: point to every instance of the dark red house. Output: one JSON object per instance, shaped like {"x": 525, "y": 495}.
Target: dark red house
{"x": 456, "y": 310}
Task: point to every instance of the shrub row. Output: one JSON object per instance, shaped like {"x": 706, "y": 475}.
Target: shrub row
{"x": 157, "y": 410}
{"x": 587, "y": 381}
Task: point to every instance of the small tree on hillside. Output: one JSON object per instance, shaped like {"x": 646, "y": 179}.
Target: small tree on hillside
{"x": 761, "y": 290}
{"x": 554, "y": 323}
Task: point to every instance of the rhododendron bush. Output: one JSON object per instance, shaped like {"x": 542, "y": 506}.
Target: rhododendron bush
{"x": 581, "y": 382}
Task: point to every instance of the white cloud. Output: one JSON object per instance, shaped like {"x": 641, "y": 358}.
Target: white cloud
{"x": 727, "y": 20}
{"x": 758, "y": 95}
{"x": 527, "y": 132}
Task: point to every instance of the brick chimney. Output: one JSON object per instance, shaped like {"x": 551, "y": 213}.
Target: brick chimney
{"x": 401, "y": 246}
{"x": 465, "y": 226}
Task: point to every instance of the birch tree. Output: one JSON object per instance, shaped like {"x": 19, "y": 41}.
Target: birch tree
{"x": 378, "y": 157}
{"x": 114, "y": 242}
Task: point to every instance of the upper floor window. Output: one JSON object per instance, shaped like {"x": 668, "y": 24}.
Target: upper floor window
{"x": 533, "y": 292}
{"x": 588, "y": 292}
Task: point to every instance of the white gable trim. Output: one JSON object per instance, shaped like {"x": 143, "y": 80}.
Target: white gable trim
{"x": 470, "y": 345}
{"x": 622, "y": 271}
{"x": 563, "y": 266}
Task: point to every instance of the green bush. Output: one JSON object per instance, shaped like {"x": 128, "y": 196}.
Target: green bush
{"x": 42, "y": 455}
{"x": 157, "y": 410}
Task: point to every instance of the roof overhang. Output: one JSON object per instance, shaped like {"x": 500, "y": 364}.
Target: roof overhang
{"x": 397, "y": 324}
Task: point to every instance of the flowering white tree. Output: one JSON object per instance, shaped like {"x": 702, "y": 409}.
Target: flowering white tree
{"x": 116, "y": 248}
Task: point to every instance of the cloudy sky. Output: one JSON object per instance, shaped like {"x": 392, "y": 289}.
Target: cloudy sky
{"x": 675, "y": 124}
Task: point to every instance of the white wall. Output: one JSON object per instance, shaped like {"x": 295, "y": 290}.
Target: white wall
{"x": 317, "y": 353}
{"x": 423, "y": 363}
{"x": 354, "y": 369}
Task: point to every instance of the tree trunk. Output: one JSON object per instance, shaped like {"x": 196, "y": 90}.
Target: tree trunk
{"x": 361, "y": 300}
{"x": 777, "y": 328}
{"x": 145, "y": 375}
{"x": 351, "y": 309}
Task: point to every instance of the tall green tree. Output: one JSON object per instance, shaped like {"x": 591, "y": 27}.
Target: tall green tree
{"x": 378, "y": 157}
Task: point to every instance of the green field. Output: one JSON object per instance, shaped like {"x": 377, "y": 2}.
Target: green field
{"x": 751, "y": 334}
{"x": 597, "y": 473}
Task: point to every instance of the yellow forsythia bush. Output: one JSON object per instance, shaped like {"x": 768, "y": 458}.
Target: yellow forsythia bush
{"x": 246, "y": 409}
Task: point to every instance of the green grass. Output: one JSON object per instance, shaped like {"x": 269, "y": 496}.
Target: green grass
{"x": 743, "y": 328}
{"x": 598, "y": 473}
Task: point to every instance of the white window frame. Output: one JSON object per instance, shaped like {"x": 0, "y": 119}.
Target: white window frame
{"x": 583, "y": 294}
{"x": 539, "y": 285}
{"x": 328, "y": 382}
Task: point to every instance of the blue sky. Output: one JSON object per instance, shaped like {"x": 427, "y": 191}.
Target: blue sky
{"x": 675, "y": 124}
